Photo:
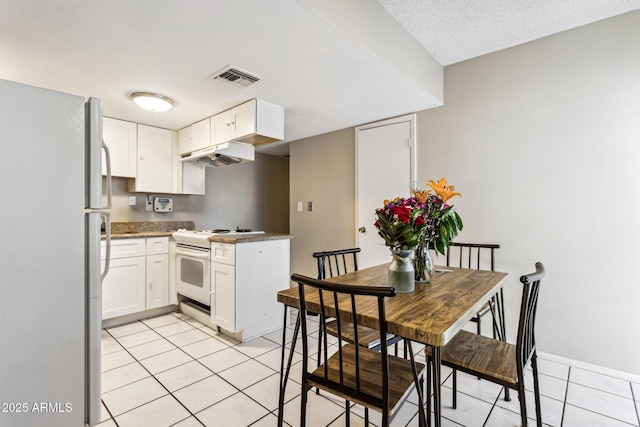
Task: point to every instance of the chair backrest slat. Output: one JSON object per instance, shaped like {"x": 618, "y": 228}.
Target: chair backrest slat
{"x": 466, "y": 253}
{"x": 526, "y": 343}
{"x": 335, "y": 263}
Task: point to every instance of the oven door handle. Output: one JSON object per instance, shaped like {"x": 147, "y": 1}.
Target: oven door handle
{"x": 192, "y": 253}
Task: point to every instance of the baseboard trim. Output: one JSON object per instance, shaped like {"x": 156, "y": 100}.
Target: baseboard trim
{"x": 627, "y": 376}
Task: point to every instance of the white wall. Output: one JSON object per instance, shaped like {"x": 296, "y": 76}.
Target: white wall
{"x": 543, "y": 142}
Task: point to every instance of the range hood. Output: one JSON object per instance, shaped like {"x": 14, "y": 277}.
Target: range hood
{"x": 228, "y": 153}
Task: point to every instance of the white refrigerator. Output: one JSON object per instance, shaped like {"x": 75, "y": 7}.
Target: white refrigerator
{"x": 50, "y": 277}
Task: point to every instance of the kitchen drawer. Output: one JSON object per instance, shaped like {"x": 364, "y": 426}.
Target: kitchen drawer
{"x": 124, "y": 248}
{"x": 157, "y": 245}
{"x": 224, "y": 253}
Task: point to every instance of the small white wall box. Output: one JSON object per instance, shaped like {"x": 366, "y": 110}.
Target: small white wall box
{"x": 163, "y": 204}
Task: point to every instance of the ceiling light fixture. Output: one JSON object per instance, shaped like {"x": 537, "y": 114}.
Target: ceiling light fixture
{"x": 152, "y": 101}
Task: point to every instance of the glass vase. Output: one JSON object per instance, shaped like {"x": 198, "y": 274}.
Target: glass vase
{"x": 422, "y": 262}
{"x": 401, "y": 275}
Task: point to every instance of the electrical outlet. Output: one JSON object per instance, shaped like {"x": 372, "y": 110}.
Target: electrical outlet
{"x": 132, "y": 200}
{"x": 149, "y": 206}
{"x": 310, "y": 206}
{"x": 299, "y": 207}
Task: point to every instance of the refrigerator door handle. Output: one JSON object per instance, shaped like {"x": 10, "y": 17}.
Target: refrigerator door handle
{"x": 107, "y": 261}
{"x": 108, "y": 161}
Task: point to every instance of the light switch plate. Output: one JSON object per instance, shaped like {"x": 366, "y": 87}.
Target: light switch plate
{"x": 132, "y": 200}
{"x": 310, "y": 206}
{"x": 299, "y": 207}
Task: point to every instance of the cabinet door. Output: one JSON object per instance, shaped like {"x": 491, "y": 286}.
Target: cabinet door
{"x": 221, "y": 127}
{"x": 186, "y": 140}
{"x": 155, "y": 160}
{"x": 157, "y": 281}
{"x": 223, "y": 296}
{"x": 202, "y": 134}
{"x": 120, "y": 137}
{"x": 243, "y": 120}
{"x": 123, "y": 289}
{"x": 193, "y": 178}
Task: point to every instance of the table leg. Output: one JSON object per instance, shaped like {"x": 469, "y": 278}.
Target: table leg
{"x": 437, "y": 383}
{"x": 284, "y": 376}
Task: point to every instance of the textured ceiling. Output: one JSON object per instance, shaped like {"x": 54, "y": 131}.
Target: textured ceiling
{"x": 457, "y": 30}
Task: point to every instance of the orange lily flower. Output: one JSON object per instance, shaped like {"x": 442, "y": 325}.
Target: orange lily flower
{"x": 420, "y": 194}
{"x": 441, "y": 188}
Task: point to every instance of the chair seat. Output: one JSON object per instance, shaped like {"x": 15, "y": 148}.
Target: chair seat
{"x": 400, "y": 378}
{"x": 481, "y": 355}
{"x": 367, "y": 337}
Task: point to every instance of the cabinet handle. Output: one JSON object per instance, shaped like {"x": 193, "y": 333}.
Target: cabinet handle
{"x": 141, "y": 158}
{"x": 150, "y": 282}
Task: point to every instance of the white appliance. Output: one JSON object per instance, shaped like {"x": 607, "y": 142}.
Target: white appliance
{"x": 193, "y": 255}
{"x": 50, "y": 309}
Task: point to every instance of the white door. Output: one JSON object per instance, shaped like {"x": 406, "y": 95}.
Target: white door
{"x": 385, "y": 168}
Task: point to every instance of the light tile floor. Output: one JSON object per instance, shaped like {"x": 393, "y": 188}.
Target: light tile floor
{"x": 174, "y": 371}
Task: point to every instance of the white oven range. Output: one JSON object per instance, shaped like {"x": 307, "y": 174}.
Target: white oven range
{"x": 193, "y": 258}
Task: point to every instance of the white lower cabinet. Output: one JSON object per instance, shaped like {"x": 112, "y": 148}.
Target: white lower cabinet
{"x": 138, "y": 276}
{"x": 157, "y": 272}
{"x": 245, "y": 279}
{"x": 223, "y": 295}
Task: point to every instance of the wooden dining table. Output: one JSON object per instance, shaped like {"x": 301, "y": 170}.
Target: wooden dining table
{"x": 432, "y": 315}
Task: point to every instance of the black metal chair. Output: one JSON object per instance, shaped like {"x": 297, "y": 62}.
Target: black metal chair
{"x": 335, "y": 263}
{"x": 497, "y": 361}
{"x": 373, "y": 379}
{"x": 480, "y": 256}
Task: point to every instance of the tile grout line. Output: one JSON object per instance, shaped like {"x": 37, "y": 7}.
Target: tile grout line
{"x": 635, "y": 403}
{"x": 217, "y": 374}
{"x": 566, "y": 394}
{"x": 158, "y": 381}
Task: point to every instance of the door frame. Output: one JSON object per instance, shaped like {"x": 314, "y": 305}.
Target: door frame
{"x": 411, "y": 118}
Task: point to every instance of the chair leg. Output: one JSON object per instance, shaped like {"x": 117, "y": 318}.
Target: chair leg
{"x": 455, "y": 389}
{"x": 429, "y": 363}
{"x": 523, "y": 402}
{"x": 536, "y": 388}
{"x": 366, "y": 416}
{"x": 419, "y": 383}
{"x": 507, "y": 396}
{"x": 347, "y": 413}
{"x": 303, "y": 404}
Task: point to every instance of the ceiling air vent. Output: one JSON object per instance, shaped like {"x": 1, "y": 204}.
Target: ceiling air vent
{"x": 235, "y": 77}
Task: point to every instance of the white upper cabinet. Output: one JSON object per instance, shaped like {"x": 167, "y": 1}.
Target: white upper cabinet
{"x": 255, "y": 121}
{"x": 193, "y": 178}
{"x": 195, "y": 137}
{"x": 120, "y": 137}
{"x": 186, "y": 140}
{"x": 155, "y": 160}
{"x": 220, "y": 127}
